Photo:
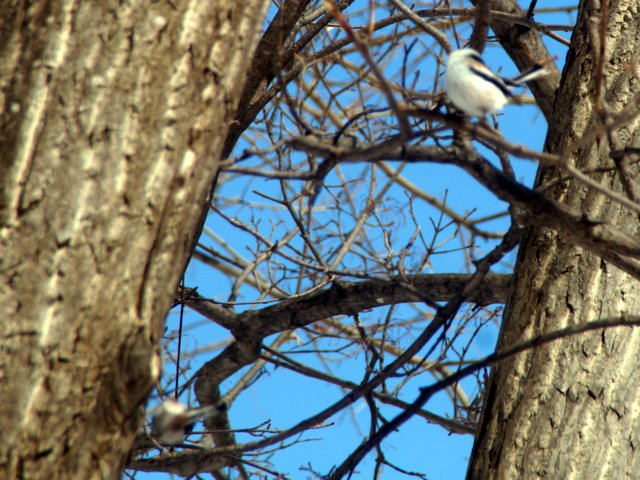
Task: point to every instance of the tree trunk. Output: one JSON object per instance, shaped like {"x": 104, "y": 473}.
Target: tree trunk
{"x": 113, "y": 118}
{"x": 570, "y": 409}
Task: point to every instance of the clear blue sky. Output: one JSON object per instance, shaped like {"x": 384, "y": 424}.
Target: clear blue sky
{"x": 283, "y": 398}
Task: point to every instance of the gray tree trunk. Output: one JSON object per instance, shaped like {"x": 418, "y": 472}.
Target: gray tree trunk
{"x": 570, "y": 409}
{"x": 114, "y": 115}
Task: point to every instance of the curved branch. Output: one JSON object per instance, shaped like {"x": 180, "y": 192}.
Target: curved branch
{"x": 346, "y": 298}
{"x": 596, "y": 235}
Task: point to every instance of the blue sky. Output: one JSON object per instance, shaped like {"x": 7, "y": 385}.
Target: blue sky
{"x": 282, "y": 397}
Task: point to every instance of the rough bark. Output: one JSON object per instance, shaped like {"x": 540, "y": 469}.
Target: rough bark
{"x": 570, "y": 409}
{"x": 113, "y": 119}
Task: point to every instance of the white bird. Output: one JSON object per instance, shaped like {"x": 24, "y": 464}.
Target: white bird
{"x": 172, "y": 419}
{"x": 475, "y": 89}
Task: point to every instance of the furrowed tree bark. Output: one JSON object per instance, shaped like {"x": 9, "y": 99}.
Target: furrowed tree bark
{"x": 113, "y": 119}
{"x": 570, "y": 409}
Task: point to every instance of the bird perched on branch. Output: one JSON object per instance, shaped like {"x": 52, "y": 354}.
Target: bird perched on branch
{"x": 172, "y": 419}
{"x": 475, "y": 89}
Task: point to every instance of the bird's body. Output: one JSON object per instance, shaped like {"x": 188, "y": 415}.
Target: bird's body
{"x": 172, "y": 419}
{"x": 475, "y": 89}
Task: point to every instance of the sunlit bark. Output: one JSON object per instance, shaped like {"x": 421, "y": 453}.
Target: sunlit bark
{"x": 114, "y": 115}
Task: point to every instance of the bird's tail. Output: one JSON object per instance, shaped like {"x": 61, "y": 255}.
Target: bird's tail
{"x": 201, "y": 413}
{"x": 537, "y": 71}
